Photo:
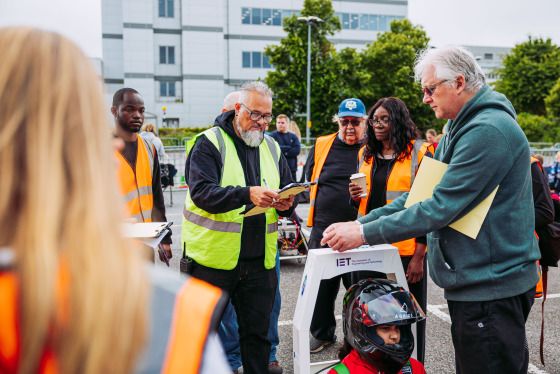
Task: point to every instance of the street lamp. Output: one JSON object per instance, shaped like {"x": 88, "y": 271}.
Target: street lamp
{"x": 311, "y": 20}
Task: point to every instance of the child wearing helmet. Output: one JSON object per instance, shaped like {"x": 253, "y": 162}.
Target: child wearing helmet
{"x": 377, "y": 316}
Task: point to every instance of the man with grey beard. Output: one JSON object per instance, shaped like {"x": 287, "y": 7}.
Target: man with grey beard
{"x": 229, "y": 167}
{"x": 331, "y": 162}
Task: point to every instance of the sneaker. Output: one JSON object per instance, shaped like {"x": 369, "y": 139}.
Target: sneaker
{"x": 274, "y": 367}
{"x": 317, "y": 345}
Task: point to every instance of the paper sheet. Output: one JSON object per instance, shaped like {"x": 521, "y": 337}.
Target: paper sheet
{"x": 429, "y": 175}
{"x": 284, "y": 194}
{"x": 144, "y": 229}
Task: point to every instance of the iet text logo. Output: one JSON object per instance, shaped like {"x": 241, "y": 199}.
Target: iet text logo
{"x": 343, "y": 261}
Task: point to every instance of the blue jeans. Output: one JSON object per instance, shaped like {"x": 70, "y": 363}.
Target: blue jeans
{"x": 228, "y": 330}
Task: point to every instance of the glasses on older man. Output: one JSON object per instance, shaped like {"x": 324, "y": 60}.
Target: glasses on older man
{"x": 429, "y": 90}
{"x": 257, "y": 116}
{"x": 354, "y": 123}
{"x": 385, "y": 121}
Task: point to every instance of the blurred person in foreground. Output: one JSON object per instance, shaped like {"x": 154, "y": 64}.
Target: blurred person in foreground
{"x": 230, "y": 166}
{"x": 330, "y": 163}
{"x": 489, "y": 282}
{"x": 75, "y": 296}
{"x": 390, "y": 160}
{"x": 138, "y": 170}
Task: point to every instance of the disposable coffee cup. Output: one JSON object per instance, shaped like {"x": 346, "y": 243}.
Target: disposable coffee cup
{"x": 360, "y": 180}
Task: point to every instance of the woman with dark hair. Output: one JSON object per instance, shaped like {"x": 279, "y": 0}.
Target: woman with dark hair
{"x": 390, "y": 160}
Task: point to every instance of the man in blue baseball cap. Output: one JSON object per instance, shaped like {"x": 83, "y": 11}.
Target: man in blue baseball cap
{"x": 330, "y": 163}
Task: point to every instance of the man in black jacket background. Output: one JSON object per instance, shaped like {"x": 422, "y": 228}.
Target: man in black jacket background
{"x": 288, "y": 141}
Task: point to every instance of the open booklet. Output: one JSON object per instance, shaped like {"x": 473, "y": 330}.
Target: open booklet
{"x": 429, "y": 175}
{"x": 289, "y": 189}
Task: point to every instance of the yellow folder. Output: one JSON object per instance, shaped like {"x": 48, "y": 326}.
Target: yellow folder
{"x": 428, "y": 177}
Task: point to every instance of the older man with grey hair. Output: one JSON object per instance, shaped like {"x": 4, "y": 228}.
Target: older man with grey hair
{"x": 230, "y": 167}
{"x": 489, "y": 280}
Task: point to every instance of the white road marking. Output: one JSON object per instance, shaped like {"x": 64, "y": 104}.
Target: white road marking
{"x": 436, "y": 311}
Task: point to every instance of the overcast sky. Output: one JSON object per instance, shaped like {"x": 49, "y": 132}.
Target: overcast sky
{"x": 499, "y": 23}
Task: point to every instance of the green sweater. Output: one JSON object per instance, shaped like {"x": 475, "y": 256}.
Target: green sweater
{"x": 484, "y": 148}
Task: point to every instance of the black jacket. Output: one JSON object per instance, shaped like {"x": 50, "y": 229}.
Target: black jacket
{"x": 203, "y": 172}
{"x": 290, "y": 147}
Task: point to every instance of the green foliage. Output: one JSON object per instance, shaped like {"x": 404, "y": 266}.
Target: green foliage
{"x": 552, "y": 101}
{"x": 530, "y": 71}
{"x": 173, "y": 136}
{"x": 384, "y": 68}
{"x": 538, "y": 128}
{"x": 289, "y": 59}
{"x": 389, "y": 61}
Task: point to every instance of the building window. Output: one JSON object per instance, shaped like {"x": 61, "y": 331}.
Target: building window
{"x": 165, "y": 8}
{"x": 171, "y": 122}
{"x": 265, "y": 16}
{"x": 166, "y": 55}
{"x": 255, "y": 60}
{"x": 488, "y": 56}
{"x": 246, "y": 59}
{"x": 369, "y": 22}
{"x": 246, "y": 16}
{"x": 167, "y": 89}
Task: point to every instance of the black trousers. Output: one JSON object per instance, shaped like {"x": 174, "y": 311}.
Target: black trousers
{"x": 489, "y": 336}
{"x": 252, "y": 289}
{"x": 323, "y": 323}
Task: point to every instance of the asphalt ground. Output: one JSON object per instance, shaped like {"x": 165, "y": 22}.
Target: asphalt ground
{"x": 439, "y": 347}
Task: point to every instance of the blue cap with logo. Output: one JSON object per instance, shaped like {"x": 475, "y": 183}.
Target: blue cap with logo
{"x": 352, "y": 108}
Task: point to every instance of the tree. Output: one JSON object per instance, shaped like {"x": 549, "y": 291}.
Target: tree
{"x": 530, "y": 70}
{"x": 552, "y": 101}
{"x": 389, "y": 62}
{"x": 289, "y": 59}
{"x": 538, "y": 128}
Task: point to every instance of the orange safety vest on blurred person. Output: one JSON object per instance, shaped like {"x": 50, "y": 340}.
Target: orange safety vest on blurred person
{"x": 136, "y": 184}
{"x": 401, "y": 177}
{"x": 196, "y": 307}
{"x": 539, "y": 290}
{"x": 323, "y": 145}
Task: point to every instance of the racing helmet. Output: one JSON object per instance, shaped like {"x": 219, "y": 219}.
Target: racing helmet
{"x": 373, "y": 302}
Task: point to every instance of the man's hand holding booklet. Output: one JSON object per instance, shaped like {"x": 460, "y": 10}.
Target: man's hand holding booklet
{"x": 290, "y": 189}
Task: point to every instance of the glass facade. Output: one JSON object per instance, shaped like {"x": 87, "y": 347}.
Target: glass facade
{"x": 369, "y": 22}
{"x": 265, "y": 16}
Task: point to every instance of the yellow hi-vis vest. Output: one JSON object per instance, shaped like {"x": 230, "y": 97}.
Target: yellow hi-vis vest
{"x": 136, "y": 185}
{"x": 214, "y": 240}
{"x": 400, "y": 180}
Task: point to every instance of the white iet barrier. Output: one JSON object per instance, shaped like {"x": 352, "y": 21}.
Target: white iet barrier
{"x": 324, "y": 263}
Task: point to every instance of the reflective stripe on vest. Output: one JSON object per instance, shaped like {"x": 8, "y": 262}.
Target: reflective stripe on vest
{"x": 323, "y": 145}
{"x": 136, "y": 185}
{"x": 214, "y": 240}
{"x": 399, "y": 181}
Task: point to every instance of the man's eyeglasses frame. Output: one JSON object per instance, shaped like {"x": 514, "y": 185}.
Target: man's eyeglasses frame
{"x": 429, "y": 90}
{"x": 257, "y": 116}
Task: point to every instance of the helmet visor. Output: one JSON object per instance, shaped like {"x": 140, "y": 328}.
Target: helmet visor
{"x": 399, "y": 307}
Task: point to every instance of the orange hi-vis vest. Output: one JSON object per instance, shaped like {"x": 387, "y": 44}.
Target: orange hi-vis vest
{"x": 539, "y": 290}
{"x": 136, "y": 184}
{"x": 323, "y": 145}
{"x": 196, "y": 307}
{"x": 401, "y": 177}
